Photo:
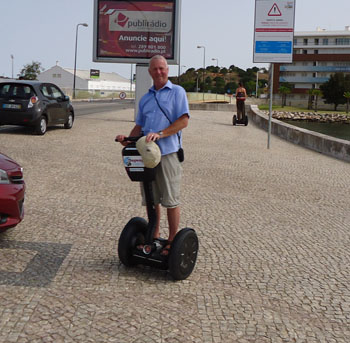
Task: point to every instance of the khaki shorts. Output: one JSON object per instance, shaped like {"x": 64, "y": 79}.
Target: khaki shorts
{"x": 166, "y": 187}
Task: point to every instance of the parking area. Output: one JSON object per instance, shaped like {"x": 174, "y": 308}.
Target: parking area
{"x": 273, "y": 226}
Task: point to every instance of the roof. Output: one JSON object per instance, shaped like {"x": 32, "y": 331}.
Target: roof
{"x": 85, "y": 74}
{"x": 323, "y": 33}
{"x": 27, "y": 82}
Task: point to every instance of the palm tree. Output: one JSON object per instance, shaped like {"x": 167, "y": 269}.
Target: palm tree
{"x": 317, "y": 93}
{"x": 347, "y": 96}
{"x": 309, "y": 105}
{"x": 284, "y": 90}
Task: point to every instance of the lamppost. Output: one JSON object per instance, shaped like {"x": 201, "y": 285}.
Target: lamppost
{"x": 202, "y": 47}
{"x": 75, "y": 58}
{"x": 216, "y": 85}
{"x": 257, "y": 82}
{"x": 12, "y": 64}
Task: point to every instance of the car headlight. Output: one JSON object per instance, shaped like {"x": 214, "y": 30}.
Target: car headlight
{"x": 4, "y": 179}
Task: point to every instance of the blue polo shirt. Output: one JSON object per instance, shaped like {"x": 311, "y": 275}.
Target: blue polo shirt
{"x": 173, "y": 100}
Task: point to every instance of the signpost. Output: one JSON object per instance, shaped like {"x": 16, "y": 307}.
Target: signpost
{"x": 273, "y": 37}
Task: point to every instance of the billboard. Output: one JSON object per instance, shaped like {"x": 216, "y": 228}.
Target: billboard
{"x": 134, "y": 31}
{"x": 274, "y": 31}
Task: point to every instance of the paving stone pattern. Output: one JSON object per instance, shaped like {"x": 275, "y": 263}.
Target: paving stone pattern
{"x": 273, "y": 226}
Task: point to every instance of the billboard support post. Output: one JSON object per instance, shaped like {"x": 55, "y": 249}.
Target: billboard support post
{"x": 143, "y": 84}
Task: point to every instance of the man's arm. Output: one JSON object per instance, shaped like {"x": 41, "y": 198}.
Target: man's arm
{"x": 172, "y": 129}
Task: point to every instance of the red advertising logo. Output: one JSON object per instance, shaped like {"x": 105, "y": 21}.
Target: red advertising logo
{"x": 121, "y": 20}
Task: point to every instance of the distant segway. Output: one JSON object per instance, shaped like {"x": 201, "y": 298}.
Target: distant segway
{"x": 241, "y": 118}
{"x": 182, "y": 256}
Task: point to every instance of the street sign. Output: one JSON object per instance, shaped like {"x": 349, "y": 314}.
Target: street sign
{"x": 94, "y": 74}
{"x": 273, "y": 31}
{"x": 122, "y": 95}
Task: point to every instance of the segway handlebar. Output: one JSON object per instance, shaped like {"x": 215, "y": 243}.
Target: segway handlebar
{"x": 130, "y": 139}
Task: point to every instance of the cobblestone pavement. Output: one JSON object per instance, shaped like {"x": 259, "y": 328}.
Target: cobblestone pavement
{"x": 273, "y": 225}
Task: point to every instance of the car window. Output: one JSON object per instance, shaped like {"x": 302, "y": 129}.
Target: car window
{"x": 16, "y": 91}
{"x": 56, "y": 93}
{"x": 46, "y": 91}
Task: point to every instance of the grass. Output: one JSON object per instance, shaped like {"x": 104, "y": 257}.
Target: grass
{"x": 265, "y": 107}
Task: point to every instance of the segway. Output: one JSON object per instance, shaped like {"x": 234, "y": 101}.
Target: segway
{"x": 182, "y": 256}
{"x": 240, "y": 113}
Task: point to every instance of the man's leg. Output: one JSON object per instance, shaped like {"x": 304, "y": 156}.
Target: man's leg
{"x": 156, "y": 231}
{"x": 173, "y": 221}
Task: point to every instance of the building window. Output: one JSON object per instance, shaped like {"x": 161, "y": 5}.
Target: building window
{"x": 304, "y": 52}
{"x": 316, "y": 41}
{"x": 304, "y": 63}
{"x": 325, "y": 41}
{"x": 314, "y": 64}
{"x": 54, "y": 75}
{"x": 342, "y": 41}
{"x": 316, "y": 52}
{"x": 59, "y": 76}
{"x": 305, "y": 41}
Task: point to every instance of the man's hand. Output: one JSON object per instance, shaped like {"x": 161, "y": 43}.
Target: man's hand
{"x": 152, "y": 136}
{"x": 120, "y": 139}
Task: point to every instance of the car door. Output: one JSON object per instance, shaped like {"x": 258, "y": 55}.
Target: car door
{"x": 51, "y": 106}
{"x": 61, "y": 104}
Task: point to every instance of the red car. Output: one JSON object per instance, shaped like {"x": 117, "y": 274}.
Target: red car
{"x": 12, "y": 189}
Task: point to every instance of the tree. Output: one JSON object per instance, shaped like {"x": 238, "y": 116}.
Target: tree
{"x": 31, "y": 71}
{"x": 317, "y": 93}
{"x": 333, "y": 90}
{"x": 309, "y": 104}
{"x": 284, "y": 90}
{"x": 347, "y": 97}
{"x": 231, "y": 87}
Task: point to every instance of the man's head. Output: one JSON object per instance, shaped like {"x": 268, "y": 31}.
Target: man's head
{"x": 158, "y": 69}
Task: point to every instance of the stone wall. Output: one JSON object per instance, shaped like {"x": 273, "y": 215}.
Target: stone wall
{"x": 338, "y": 148}
{"x": 311, "y": 116}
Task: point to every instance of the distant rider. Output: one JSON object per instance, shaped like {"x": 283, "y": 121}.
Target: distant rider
{"x": 241, "y": 95}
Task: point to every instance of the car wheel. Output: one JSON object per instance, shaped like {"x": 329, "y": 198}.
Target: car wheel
{"x": 69, "y": 123}
{"x": 41, "y": 126}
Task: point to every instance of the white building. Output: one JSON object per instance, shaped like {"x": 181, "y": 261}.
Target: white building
{"x": 316, "y": 56}
{"x": 106, "y": 82}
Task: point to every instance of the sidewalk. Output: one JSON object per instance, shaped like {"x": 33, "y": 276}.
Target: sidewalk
{"x": 273, "y": 225}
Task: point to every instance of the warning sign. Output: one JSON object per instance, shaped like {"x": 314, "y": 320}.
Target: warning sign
{"x": 274, "y": 11}
{"x": 274, "y": 28}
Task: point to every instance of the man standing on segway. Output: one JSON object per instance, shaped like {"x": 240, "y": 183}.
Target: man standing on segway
{"x": 162, "y": 114}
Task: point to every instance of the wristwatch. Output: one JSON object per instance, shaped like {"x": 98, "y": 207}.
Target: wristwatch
{"x": 160, "y": 133}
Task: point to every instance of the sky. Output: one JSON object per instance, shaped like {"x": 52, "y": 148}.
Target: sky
{"x": 44, "y": 31}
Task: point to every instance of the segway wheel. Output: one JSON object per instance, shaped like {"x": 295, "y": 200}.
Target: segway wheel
{"x": 234, "y": 120}
{"x": 245, "y": 120}
{"x": 133, "y": 234}
{"x": 183, "y": 254}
